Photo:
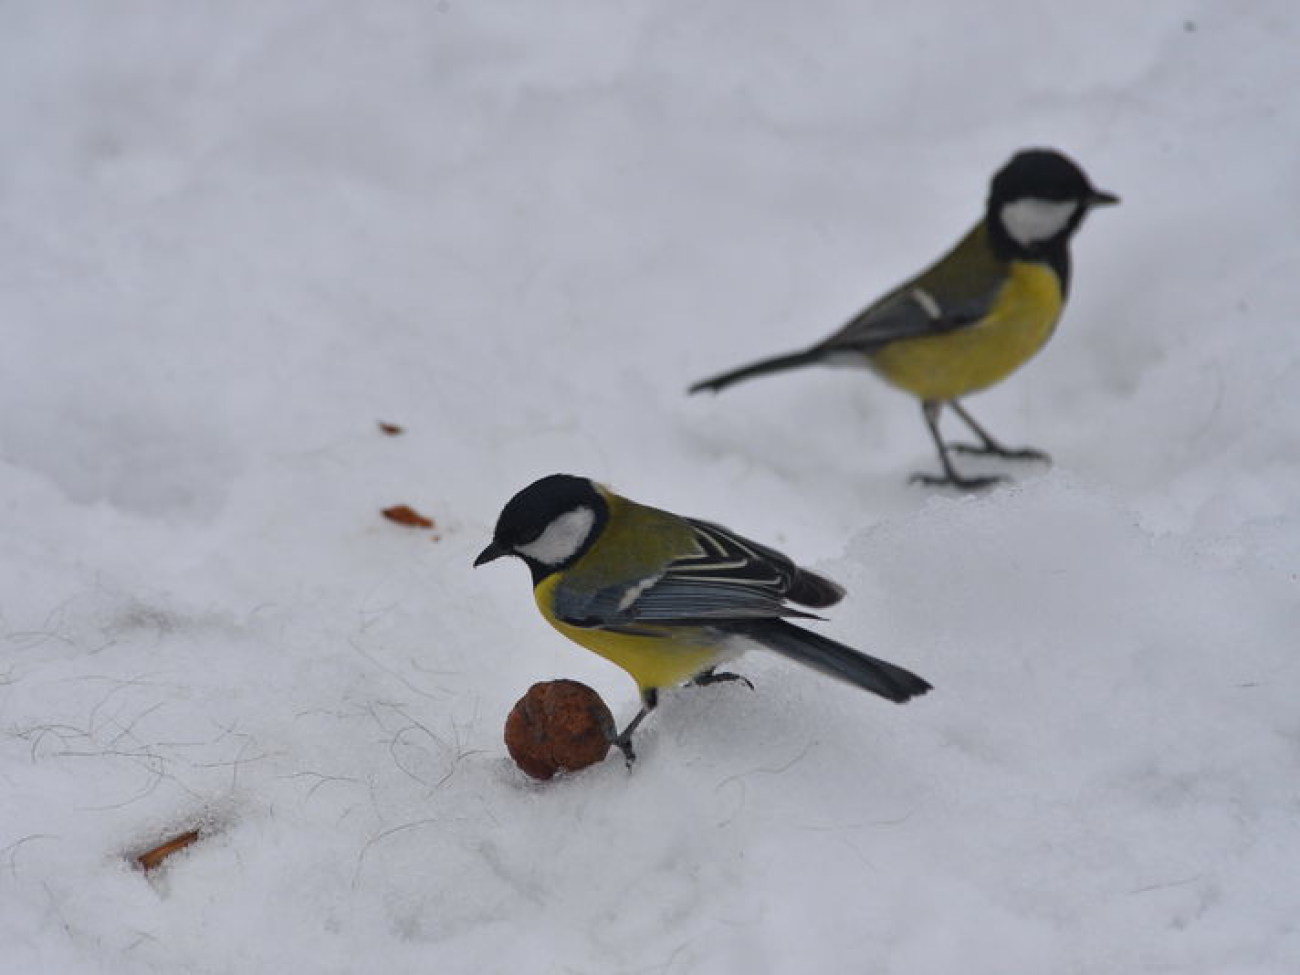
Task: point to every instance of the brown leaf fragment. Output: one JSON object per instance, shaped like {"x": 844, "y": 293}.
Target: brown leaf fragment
{"x": 404, "y": 514}
{"x": 153, "y": 859}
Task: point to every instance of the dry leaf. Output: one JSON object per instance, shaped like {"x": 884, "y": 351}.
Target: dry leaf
{"x": 406, "y": 515}
{"x": 153, "y": 859}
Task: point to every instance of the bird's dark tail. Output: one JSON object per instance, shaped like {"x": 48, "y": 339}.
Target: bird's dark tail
{"x": 834, "y": 659}
{"x": 760, "y": 368}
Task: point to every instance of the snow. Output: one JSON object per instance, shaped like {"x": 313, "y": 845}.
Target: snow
{"x": 234, "y": 236}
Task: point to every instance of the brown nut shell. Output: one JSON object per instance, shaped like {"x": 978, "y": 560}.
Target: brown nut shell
{"x": 559, "y": 725}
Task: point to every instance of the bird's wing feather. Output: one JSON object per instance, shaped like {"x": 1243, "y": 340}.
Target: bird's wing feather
{"x": 728, "y": 577}
{"x": 910, "y": 314}
{"x": 955, "y": 293}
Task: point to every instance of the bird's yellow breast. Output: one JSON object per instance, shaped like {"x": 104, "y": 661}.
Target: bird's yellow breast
{"x": 951, "y": 365}
{"x": 663, "y": 657}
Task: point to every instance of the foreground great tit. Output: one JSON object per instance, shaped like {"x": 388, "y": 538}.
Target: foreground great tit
{"x": 668, "y": 598}
{"x": 978, "y": 314}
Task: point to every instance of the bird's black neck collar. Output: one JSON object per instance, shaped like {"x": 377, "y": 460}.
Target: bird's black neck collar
{"x": 1054, "y": 252}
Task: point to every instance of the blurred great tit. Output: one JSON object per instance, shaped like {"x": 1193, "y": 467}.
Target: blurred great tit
{"x": 668, "y": 598}
{"x": 978, "y": 314}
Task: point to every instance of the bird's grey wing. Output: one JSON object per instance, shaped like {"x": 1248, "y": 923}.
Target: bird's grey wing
{"x": 954, "y": 293}
{"x": 729, "y": 578}
{"x": 910, "y": 312}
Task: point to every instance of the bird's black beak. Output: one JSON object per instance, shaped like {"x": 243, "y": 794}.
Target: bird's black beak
{"x": 490, "y": 554}
{"x": 1100, "y": 198}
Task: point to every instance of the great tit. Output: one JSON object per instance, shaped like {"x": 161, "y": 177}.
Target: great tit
{"x": 978, "y": 314}
{"x": 668, "y": 598}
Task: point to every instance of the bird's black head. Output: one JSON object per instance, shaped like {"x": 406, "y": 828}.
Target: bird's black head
{"x": 549, "y": 524}
{"x": 1037, "y": 201}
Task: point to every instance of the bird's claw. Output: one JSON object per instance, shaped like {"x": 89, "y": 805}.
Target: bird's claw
{"x": 715, "y": 677}
{"x": 959, "y": 482}
{"x": 996, "y": 450}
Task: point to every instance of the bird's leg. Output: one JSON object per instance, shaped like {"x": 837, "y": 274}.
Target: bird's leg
{"x": 931, "y": 409}
{"x": 623, "y": 740}
{"x": 711, "y": 676}
{"x": 987, "y": 444}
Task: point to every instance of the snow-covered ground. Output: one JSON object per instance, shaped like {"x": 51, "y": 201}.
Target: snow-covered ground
{"x": 234, "y": 236}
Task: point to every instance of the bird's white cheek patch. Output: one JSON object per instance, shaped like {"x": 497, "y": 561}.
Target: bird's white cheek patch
{"x": 1031, "y": 220}
{"x": 563, "y": 537}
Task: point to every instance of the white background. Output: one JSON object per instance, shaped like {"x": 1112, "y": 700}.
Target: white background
{"x": 235, "y": 235}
